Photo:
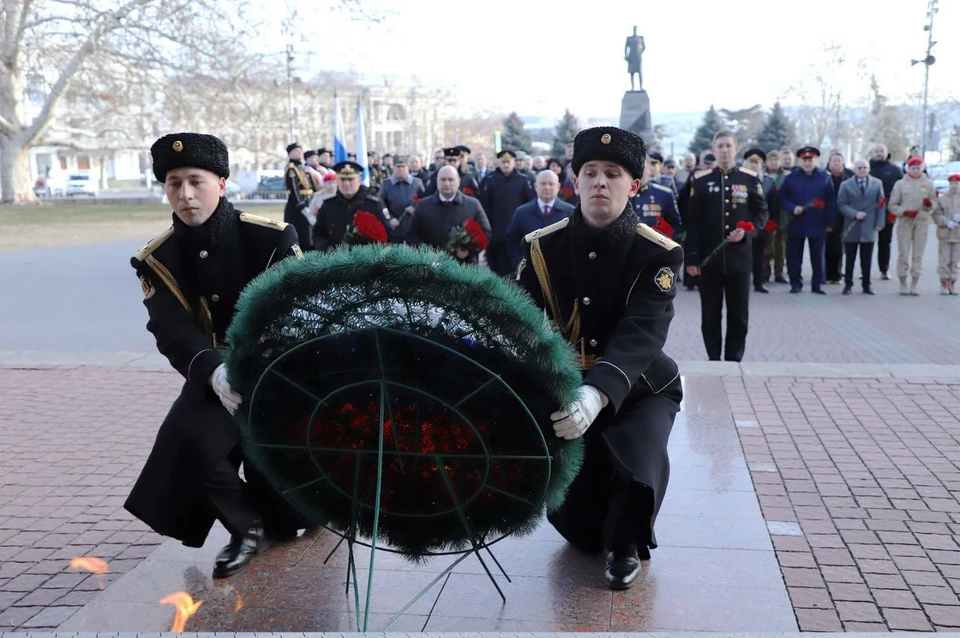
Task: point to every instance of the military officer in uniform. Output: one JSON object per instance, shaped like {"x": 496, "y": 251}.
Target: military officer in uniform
{"x": 608, "y": 281}
{"x": 336, "y": 213}
{"x": 719, "y": 198}
{"x": 655, "y": 204}
{"x": 299, "y": 191}
{"x": 192, "y": 275}
{"x": 754, "y": 160}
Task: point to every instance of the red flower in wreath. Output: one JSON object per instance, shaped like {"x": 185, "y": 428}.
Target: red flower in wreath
{"x": 477, "y": 236}
{"x": 746, "y": 227}
{"x": 770, "y": 226}
{"x": 467, "y": 191}
{"x": 369, "y": 227}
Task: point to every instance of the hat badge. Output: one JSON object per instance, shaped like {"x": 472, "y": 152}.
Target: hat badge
{"x": 605, "y": 138}
{"x": 178, "y": 146}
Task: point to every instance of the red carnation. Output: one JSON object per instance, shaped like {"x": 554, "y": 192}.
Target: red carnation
{"x": 416, "y": 198}
{"x": 883, "y": 202}
{"x": 770, "y": 226}
{"x": 663, "y": 227}
{"x": 467, "y": 191}
{"x": 477, "y": 236}
{"x": 819, "y": 203}
{"x": 927, "y": 203}
{"x": 746, "y": 227}
{"x": 369, "y": 227}
{"x": 891, "y": 218}
{"x": 567, "y": 192}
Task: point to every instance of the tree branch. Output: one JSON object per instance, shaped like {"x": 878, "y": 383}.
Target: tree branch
{"x": 85, "y": 51}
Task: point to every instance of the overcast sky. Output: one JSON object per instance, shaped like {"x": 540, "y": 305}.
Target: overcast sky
{"x": 540, "y": 57}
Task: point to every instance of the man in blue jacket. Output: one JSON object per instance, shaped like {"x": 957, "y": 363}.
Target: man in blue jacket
{"x": 539, "y": 213}
{"x": 807, "y": 208}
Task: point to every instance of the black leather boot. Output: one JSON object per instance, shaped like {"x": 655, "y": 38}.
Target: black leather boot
{"x": 622, "y": 569}
{"x": 240, "y": 551}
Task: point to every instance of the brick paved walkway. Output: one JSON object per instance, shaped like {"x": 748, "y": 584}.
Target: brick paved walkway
{"x": 859, "y": 482}
{"x": 72, "y": 441}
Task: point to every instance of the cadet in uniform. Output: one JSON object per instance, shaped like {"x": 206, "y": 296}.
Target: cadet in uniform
{"x": 299, "y": 192}
{"x": 754, "y": 160}
{"x": 654, "y": 203}
{"x": 608, "y": 281}
{"x": 719, "y": 198}
{"x": 191, "y": 276}
{"x": 336, "y": 213}
{"x": 913, "y": 201}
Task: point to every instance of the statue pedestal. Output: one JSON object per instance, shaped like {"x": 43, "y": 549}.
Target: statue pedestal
{"x": 635, "y": 115}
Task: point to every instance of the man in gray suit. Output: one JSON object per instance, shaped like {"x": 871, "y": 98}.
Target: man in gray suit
{"x": 398, "y": 197}
{"x": 859, "y": 200}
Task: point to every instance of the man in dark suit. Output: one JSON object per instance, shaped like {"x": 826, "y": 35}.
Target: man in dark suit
{"x": 502, "y": 193}
{"x": 437, "y": 215}
{"x": 546, "y": 209}
{"x": 191, "y": 276}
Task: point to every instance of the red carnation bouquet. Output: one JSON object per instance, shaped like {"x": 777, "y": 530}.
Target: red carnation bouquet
{"x": 770, "y": 226}
{"x": 746, "y": 227}
{"x": 566, "y": 193}
{"x": 927, "y": 202}
{"x": 466, "y": 190}
{"x": 365, "y": 229}
{"x": 467, "y": 240}
{"x": 816, "y": 203}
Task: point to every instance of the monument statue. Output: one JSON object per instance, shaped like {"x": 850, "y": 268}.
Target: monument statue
{"x": 632, "y": 52}
{"x": 635, "y": 107}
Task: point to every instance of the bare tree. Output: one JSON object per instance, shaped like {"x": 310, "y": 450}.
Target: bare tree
{"x": 48, "y": 47}
{"x": 820, "y": 92}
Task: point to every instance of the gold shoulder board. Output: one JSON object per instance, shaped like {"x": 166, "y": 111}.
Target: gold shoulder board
{"x": 662, "y": 187}
{"x": 661, "y": 240}
{"x": 543, "y": 232}
{"x": 262, "y": 221}
{"x": 748, "y": 171}
{"x": 153, "y": 244}
{"x": 702, "y": 173}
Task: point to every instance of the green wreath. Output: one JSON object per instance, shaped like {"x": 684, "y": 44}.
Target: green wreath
{"x": 394, "y": 390}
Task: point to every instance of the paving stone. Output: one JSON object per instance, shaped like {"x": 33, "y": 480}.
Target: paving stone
{"x": 818, "y": 620}
{"x": 906, "y": 620}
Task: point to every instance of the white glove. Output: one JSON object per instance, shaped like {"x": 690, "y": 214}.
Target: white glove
{"x": 951, "y": 224}
{"x": 956, "y": 218}
{"x": 230, "y": 399}
{"x": 573, "y": 422}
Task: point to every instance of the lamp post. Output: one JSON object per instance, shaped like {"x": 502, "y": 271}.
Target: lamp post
{"x": 927, "y": 63}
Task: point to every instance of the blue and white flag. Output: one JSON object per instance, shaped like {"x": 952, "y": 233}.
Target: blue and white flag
{"x": 362, "y": 146}
{"x": 339, "y": 139}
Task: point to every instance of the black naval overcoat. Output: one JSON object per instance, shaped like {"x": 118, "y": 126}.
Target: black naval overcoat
{"x": 611, "y": 293}
{"x": 191, "y": 279}
{"x": 336, "y": 214}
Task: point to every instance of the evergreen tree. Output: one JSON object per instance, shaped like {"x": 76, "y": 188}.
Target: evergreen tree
{"x": 778, "y": 132}
{"x": 955, "y": 143}
{"x": 703, "y": 137}
{"x": 566, "y": 129}
{"x": 886, "y": 123}
{"x": 514, "y": 137}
